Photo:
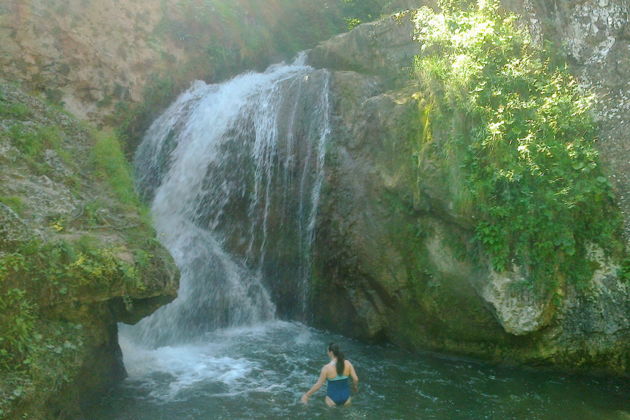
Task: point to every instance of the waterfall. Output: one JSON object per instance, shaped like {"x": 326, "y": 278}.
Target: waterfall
{"x": 234, "y": 173}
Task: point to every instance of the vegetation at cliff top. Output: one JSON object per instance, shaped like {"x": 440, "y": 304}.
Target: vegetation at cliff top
{"x": 520, "y": 127}
{"x": 225, "y": 38}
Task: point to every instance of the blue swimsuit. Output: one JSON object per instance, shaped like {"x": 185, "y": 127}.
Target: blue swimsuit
{"x": 338, "y": 389}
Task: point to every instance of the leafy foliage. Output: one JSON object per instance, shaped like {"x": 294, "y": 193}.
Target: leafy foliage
{"x": 352, "y": 23}
{"x": 59, "y": 270}
{"x": 17, "y": 320}
{"x": 53, "y": 353}
{"x": 111, "y": 166}
{"x": 521, "y": 128}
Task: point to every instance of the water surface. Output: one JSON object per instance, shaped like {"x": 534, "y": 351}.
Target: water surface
{"x": 261, "y": 372}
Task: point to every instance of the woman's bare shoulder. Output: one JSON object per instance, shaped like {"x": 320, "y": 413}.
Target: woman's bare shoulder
{"x": 328, "y": 367}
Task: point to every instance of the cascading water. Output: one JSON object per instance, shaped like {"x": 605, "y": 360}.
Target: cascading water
{"x": 235, "y": 172}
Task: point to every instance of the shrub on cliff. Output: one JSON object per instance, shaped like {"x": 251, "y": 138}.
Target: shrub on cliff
{"x": 515, "y": 120}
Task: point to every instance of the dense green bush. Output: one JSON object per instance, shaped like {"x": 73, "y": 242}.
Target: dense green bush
{"x": 112, "y": 167}
{"x": 17, "y": 319}
{"x": 520, "y": 128}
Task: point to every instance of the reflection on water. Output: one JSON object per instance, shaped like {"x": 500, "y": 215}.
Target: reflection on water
{"x": 260, "y": 372}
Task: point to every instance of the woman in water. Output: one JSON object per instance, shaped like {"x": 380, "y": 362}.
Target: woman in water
{"x": 337, "y": 373}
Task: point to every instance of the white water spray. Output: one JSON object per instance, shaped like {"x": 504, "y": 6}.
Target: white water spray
{"x": 235, "y": 172}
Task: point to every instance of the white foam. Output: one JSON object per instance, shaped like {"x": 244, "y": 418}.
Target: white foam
{"x": 186, "y": 366}
{"x": 224, "y": 147}
{"x": 171, "y": 371}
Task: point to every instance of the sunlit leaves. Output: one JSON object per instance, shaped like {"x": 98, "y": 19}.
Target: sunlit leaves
{"x": 532, "y": 171}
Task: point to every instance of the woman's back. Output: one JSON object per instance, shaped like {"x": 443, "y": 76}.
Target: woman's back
{"x": 331, "y": 370}
{"x": 337, "y": 375}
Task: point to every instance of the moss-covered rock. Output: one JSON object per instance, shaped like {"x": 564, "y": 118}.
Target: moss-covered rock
{"x": 77, "y": 255}
{"x": 397, "y": 256}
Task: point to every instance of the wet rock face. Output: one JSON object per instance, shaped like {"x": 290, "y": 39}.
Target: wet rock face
{"x": 395, "y": 261}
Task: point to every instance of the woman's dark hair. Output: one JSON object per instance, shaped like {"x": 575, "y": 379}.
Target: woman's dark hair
{"x": 334, "y": 349}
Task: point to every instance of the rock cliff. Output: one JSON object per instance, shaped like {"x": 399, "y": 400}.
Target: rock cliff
{"x": 77, "y": 255}
{"x": 395, "y": 259}
{"x": 91, "y": 55}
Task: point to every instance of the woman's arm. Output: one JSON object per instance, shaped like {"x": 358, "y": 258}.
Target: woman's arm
{"x": 355, "y": 378}
{"x": 318, "y": 384}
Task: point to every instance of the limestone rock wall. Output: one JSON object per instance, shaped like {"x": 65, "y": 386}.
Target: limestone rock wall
{"x": 395, "y": 260}
{"x": 85, "y": 54}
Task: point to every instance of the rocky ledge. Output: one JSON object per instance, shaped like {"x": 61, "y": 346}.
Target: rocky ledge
{"x": 77, "y": 255}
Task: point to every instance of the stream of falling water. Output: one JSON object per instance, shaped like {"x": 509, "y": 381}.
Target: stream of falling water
{"x": 234, "y": 173}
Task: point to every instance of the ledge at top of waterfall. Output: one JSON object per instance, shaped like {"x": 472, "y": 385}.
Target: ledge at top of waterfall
{"x": 234, "y": 172}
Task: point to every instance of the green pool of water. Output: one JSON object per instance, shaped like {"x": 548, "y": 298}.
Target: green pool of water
{"x": 261, "y": 372}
